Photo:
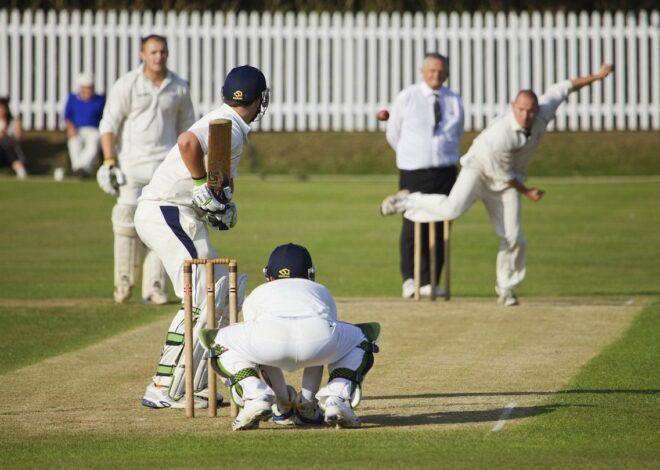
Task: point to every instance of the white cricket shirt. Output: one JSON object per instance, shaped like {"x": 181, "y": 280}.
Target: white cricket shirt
{"x": 146, "y": 119}
{"x": 172, "y": 182}
{"x": 411, "y": 129}
{"x": 501, "y": 151}
{"x": 286, "y": 298}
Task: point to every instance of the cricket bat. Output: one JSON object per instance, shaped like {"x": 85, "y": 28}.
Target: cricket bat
{"x": 218, "y": 171}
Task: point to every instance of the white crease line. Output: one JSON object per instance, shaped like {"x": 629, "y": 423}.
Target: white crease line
{"x": 506, "y": 412}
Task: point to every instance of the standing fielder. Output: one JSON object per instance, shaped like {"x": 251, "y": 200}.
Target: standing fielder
{"x": 145, "y": 112}
{"x": 291, "y": 323}
{"x": 172, "y": 217}
{"x": 494, "y": 171}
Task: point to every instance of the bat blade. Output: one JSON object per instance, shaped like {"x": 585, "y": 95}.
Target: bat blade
{"x": 219, "y": 157}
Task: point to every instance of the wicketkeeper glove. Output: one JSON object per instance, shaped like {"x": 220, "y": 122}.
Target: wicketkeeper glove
{"x": 225, "y": 219}
{"x": 207, "y": 199}
{"x": 110, "y": 177}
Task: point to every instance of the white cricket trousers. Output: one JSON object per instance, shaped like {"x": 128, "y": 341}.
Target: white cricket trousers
{"x": 504, "y": 211}
{"x": 84, "y": 149}
{"x": 291, "y": 343}
{"x": 176, "y": 234}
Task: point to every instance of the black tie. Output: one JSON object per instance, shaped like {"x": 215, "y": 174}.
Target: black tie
{"x": 437, "y": 111}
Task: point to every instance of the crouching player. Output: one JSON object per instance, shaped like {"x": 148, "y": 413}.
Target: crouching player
{"x": 291, "y": 323}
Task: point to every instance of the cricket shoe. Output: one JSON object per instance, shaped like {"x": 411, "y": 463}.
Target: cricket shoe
{"x": 286, "y": 417}
{"x": 506, "y": 297}
{"x": 307, "y": 412}
{"x": 157, "y": 296}
{"x": 395, "y": 203}
{"x": 425, "y": 291}
{"x": 157, "y": 397}
{"x": 408, "y": 289}
{"x": 338, "y": 413}
{"x": 254, "y": 411}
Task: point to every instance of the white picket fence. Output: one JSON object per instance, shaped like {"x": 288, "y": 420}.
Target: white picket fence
{"x": 334, "y": 71}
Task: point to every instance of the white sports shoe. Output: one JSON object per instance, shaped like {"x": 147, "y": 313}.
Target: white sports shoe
{"x": 254, "y": 411}
{"x": 395, "y": 203}
{"x": 156, "y": 396}
{"x": 408, "y": 289}
{"x": 507, "y": 297}
{"x": 157, "y": 296}
{"x": 338, "y": 413}
{"x": 425, "y": 291}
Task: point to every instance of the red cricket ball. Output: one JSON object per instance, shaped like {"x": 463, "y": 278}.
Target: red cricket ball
{"x": 383, "y": 115}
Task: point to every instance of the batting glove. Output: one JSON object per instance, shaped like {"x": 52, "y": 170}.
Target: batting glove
{"x": 110, "y": 177}
{"x": 225, "y": 219}
{"x": 208, "y": 200}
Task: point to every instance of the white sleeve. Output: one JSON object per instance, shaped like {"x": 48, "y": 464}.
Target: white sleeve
{"x": 552, "y": 98}
{"x": 186, "y": 114}
{"x": 202, "y": 134}
{"x": 117, "y": 106}
{"x": 237, "y": 139}
{"x": 393, "y": 131}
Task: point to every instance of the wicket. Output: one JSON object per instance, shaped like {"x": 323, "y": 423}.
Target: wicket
{"x": 211, "y": 321}
{"x": 417, "y": 261}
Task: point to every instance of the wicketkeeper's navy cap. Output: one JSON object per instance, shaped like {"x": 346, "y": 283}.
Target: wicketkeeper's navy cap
{"x": 244, "y": 84}
{"x": 289, "y": 261}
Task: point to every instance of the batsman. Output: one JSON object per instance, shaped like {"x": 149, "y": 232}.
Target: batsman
{"x": 190, "y": 190}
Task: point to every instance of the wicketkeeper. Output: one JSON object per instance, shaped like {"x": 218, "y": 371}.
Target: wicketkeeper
{"x": 291, "y": 323}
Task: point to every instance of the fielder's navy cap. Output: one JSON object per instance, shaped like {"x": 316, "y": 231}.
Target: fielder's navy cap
{"x": 288, "y": 261}
{"x": 244, "y": 84}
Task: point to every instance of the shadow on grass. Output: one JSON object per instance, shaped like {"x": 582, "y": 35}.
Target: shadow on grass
{"x": 459, "y": 417}
{"x": 514, "y": 393}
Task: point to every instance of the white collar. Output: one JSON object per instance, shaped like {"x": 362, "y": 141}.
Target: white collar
{"x": 427, "y": 91}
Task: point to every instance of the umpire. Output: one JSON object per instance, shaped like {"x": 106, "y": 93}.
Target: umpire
{"x": 424, "y": 129}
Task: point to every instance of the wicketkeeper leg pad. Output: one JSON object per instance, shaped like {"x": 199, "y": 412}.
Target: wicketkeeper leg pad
{"x": 355, "y": 376}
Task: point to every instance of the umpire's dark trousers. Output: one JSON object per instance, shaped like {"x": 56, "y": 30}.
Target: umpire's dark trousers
{"x": 431, "y": 180}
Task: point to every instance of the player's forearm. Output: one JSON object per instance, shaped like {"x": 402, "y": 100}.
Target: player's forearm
{"x": 533, "y": 194}
{"x": 581, "y": 82}
{"x": 108, "y": 146}
{"x": 518, "y": 186}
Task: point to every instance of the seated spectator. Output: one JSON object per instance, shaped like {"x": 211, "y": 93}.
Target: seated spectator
{"x": 11, "y": 135}
{"x": 82, "y": 116}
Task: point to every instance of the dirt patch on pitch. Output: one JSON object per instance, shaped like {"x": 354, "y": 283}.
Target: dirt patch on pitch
{"x": 441, "y": 364}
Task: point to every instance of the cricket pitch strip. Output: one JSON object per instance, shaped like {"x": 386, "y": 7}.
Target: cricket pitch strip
{"x": 463, "y": 363}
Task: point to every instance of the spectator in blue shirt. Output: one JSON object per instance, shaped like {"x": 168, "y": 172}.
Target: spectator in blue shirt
{"x": 82, "y": 115}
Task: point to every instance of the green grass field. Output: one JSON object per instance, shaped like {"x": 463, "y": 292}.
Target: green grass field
{"x": 593, "y": 241}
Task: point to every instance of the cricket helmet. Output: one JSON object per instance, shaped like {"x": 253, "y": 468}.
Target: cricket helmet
{"x": 245, "y": 84}
{"x": 289, "y": 261}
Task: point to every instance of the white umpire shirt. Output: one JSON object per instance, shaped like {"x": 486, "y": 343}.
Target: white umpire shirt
{"x": 290, "y": 298}
{"x": 146, "y": 119}
{"x": 171, "y": 182}
{"x": 411, "y": 129}
{"x": 501, "y": 151}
